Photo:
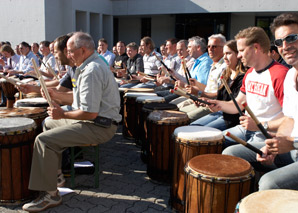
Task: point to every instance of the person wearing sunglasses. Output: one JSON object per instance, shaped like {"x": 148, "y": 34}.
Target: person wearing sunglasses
{"x": 281, "y": 152}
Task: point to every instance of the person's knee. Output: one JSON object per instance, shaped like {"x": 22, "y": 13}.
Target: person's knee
{"x": 267, "y": 182}
{"x": 231, "y": 150}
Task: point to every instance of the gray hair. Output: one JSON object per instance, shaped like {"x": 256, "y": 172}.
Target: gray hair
{"x": 185, "y": 42}
{"x": 82, "y": 39}
{"x": 221, "y": 37}
{"x": 198, "y": 41}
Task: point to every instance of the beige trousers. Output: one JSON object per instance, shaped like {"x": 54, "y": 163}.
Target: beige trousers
{"x": 49, "y": 145}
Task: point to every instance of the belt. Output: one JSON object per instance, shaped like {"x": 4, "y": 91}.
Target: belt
{"x": 115, "y": 123}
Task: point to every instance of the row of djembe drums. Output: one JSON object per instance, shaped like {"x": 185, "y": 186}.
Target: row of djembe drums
{"x": 20, "y": 123}
{"x": 187, "y": 157}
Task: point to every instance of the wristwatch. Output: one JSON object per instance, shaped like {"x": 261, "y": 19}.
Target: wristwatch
{"x": 265, "y": 125}
{"x": 295, "y": 143}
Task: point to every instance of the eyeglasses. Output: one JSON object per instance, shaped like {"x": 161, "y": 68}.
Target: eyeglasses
{"x": 289, "y": 39}
{"x": 213, "y": 46}
{"x": 70, "y": 51}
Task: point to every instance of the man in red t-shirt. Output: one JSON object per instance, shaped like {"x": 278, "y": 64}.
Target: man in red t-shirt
{"x": 262, "y": 87}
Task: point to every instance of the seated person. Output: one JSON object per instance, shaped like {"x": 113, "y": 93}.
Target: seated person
{"x": 233, "y": 75}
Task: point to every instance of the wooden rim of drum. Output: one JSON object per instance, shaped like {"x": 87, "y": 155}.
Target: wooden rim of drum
{"x": 197, "y": 142}
{"x": 168, "y": 117}
{"x": 213, "y": 168}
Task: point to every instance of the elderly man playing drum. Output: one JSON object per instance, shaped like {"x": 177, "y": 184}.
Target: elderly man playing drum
{"x": 280, "y": 152}
{"x": 96, "y": 105}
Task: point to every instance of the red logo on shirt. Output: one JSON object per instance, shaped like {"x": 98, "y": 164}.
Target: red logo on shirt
{"x": 257, "y": 88}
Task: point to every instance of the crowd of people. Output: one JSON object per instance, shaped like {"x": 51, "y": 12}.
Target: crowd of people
{"x": 256, "y": 71}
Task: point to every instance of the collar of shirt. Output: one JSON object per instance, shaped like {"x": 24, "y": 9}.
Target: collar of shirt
{"x": 217, "y": 65}
{"x": 87, "y": 61}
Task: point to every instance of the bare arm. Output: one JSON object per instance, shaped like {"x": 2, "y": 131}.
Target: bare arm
{"x": 58, "y": 113}
{"x": 228, "y": 106}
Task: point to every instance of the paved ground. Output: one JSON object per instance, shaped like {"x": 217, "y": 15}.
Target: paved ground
{"x": 123, "y": 187}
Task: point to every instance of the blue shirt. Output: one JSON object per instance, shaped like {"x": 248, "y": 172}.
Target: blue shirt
{"x": 201, "y": 67}
{"x": 25, "y": 63}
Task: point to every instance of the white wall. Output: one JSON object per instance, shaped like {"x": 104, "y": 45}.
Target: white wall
{"x": 141, "y": 7}
{"x": 22, "y": 21}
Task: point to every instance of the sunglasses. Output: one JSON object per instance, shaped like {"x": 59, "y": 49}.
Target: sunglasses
{"x": 289, "y": 39}
{"x": 213, "y": 46}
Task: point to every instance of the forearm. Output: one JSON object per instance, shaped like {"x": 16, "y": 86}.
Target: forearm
{"x": 209, "y": 95}
{"x": 229, "y": 107}
{"x": 79, "y": 115}
{"x": 274, "y": 125}
{"x": 52, "y": 83}
{"x": 63, "y": 98}
{"x": 286, "y": 127}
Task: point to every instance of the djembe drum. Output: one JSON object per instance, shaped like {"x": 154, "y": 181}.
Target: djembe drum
{"x": 9, "y": 91}
{"x": 270, "y": 201}
{"x": 140, "y": 102}
{"x": 129, "y": 113}
{"x": 215, "y": 183}
{"x": 16, "y": 138}
{"x": 38, "y": 114}
{"x": 146, "y": 110}
{"x": 190, "y": 141}
{"x": 32, "y": 102}
{"x": 160, "y": 127}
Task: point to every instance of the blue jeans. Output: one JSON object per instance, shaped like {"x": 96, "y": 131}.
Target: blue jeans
{"x": 145, "y": 85}
{"x": 129, "y": 85}
{"x": 246, "y": 135}
{"x": 283, "y": 174}
{"x": 214, "y": 120}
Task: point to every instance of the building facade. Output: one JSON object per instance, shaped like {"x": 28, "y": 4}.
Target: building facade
{"x": 130, "y": 20}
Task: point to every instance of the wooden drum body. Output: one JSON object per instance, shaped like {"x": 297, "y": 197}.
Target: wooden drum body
{"x": 191, "y": 141}
{"x": 16, "y": 138}
{"x": 215, "y": 183}
{"x": 160, "y": 127}
{"x": 38, "y": 114}
{"x": 146, "y": 110}
{"x": 140, "y": 102}
{"x": 270, "y": 201}
{"x": 9, "y": 91}
{"x": 129, "y": 113}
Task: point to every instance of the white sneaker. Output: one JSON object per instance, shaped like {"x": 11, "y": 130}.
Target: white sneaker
{"x": 60, "y": 180}
{"x": 44, "y": 201}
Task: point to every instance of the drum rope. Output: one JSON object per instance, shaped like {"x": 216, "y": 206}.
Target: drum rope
{"x": 227, "y": 194}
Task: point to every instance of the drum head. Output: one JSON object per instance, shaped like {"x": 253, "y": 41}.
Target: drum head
{"x": 219, "y": 166}
{"x": 140, "y": 90}
{"x": 17, "y": 124}
{"x": 168, "y": 117}
{"x": 138, "y": 94}
{"x": 198, "y": 133}
{"x": 31, "y": 102}
{"x": 270, "y": 201}
{"x": 149, "y": 99}
{"x": 160, "y": 106}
